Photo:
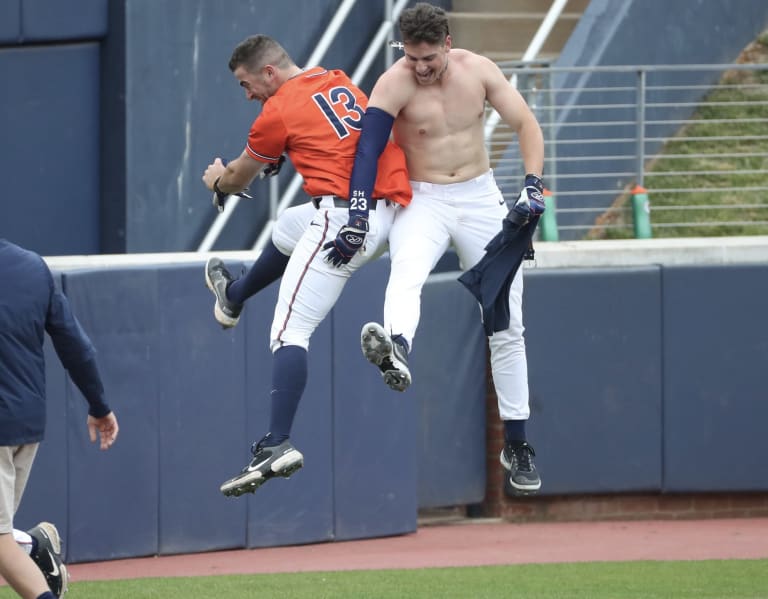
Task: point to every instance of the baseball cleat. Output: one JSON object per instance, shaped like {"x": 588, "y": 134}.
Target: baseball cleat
{"x": 218, "y": 278}
{"x": 390, "y": 357}
{"x": 268, "y": 462}
{"x": 517, "y": 459}
{"x": 47, "y": 556}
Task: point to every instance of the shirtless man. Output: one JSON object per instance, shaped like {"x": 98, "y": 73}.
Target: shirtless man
{"x": 433, "y": 99}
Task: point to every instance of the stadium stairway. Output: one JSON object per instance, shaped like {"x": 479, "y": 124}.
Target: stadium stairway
{"x": 503, "y": 29}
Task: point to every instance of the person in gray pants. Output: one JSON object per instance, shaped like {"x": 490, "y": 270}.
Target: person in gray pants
{"x": 30, "y": 306}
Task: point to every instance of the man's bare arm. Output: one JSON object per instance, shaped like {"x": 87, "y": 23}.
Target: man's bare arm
{"x": 392, "y": 90}
{"x": 516, "y": 113}
{"x": 236, "y": 176}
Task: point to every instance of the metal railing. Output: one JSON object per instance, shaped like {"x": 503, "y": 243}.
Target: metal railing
{"x": 530, "y": 54}
{"x": 695, "y": 137}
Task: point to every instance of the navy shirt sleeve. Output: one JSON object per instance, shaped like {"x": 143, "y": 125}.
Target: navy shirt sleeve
{"x": 376, "y": 127}
{"x": 76, "y": 352}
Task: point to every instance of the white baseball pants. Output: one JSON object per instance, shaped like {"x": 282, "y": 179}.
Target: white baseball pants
{"x": 310, "y": 287}
{"x": 467, "y": 215}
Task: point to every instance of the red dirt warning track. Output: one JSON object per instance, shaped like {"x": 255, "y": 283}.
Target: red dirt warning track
{"x": 468, "y": 543}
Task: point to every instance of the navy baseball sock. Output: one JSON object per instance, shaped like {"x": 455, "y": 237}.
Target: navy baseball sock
{"x": 269, "y": 267}
{"x": 47, "y": 595}
{"x": 289, "y": 377}
{"x": 514, "y": 432}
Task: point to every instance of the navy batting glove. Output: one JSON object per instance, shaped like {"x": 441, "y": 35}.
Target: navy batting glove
{"x": 348, "y": 242}
{"x": 529, "y": 203}
{"x": 272, "y": 169}
{"x": 533, "y": 194}
{"x": 220, "y": 197}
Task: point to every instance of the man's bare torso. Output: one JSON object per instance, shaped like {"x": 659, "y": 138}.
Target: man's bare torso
{"x": 441, "y": 126}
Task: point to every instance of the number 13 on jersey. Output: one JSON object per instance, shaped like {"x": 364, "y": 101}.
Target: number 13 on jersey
{"x": 344, "y": 99}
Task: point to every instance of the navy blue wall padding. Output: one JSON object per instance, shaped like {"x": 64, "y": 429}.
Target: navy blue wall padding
{"x": 376, "y": 429}
{"x": 10, "y": 21}
{"x": 43, "y": 20}
{"x": 641, "y": 379}
{"x": 715, "y": 390}
{"x": 50, "y": 131}
{"x": 449, "y": 386}
{"x": 595, "y": 367}
{"x": 201, "y": 403}
{"x": 45, "y": 497}
{"x": 298, "y": 509}
{"x": 115, "y": 494}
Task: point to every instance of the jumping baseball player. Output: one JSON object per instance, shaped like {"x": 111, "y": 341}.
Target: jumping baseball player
{"x": 314, "y": 115}
{"x": 434, "y": 100}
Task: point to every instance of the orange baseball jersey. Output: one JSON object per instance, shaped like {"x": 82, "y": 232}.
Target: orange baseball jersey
{"x": 315, "y": 118}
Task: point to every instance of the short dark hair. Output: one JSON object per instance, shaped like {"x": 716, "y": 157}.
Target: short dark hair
{"x": 423, "y": 23}
{"x": 258, "y": 50}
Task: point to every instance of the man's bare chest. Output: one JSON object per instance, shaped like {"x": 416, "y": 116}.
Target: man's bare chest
{"x": 437, "y": 114}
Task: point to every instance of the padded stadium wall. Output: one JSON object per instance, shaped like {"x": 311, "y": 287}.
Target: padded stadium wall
{"x": 647, "y": 357}
{"x": 49, "y": 123}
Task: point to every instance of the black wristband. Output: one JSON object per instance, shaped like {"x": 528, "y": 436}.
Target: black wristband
{"x": 535, "y": 181}
{"x": 216, "y": 187}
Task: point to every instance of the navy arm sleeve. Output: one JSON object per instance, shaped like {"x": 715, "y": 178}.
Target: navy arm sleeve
{"x": 376, "y": 127}
{"x": 76, "y": 352}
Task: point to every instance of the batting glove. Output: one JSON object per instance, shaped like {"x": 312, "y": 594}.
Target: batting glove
{"x": 272, "y": 169}
{"x": 220, "y": 197}
{"x": 529, "y": 203}
{"x": 348, "y": 242}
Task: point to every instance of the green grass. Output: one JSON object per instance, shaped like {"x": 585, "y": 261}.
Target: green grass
{"x": 717, "y": 170}
{"x": 732, "y": 579}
